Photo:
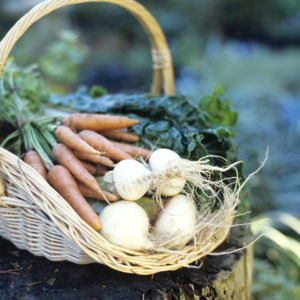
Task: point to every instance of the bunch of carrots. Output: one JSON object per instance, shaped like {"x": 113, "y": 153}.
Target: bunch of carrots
{"x": 86, "y": 147}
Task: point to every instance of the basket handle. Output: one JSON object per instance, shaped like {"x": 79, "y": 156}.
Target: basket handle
{"x": 163, "y": 75}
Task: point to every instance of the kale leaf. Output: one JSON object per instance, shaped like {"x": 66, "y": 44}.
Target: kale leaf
{"x": 192, "y": 130}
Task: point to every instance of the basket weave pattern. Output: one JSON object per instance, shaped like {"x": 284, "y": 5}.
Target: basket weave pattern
{"x": 35, "y": 217}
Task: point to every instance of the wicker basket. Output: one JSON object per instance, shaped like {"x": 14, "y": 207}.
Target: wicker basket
{"x": 35, "y": 217}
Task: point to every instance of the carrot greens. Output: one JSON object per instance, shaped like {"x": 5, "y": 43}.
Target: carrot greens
{"x": 22, "y": 126}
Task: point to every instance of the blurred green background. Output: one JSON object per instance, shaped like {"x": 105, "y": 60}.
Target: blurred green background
{"x": 250, "y": 47}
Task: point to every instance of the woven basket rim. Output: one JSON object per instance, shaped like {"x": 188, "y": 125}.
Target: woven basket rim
{"x": 91, "y": 242}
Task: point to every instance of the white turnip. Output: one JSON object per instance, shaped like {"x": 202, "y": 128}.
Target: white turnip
{"x": 176, "y": 223}
{"x": 161, "y": 163}
{"x": 126, "y": 224}
{"x": 131, "y": 179}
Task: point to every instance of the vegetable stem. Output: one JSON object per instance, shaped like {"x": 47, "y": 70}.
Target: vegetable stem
{"x": 33, "y": 142}
{"x": 13, "y": 135}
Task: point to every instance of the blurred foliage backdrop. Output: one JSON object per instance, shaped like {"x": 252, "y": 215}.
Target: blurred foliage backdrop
{"x": 250, "y": 47}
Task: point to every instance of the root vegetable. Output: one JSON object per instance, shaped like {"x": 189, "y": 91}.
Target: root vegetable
{"x": 98, "y": 122}
{"x": 159, "y": 162}
{"x": 92, "y": 169}
{"x": 62, "y": 181}
{"x": 101, "y": 171}
{"x": 131, "y": 179}
{"x": 102, "y": 144}
{"x": 89, "y": 193}
{"x": 66, "y": 158}
{"x": 120, "y": 135}
{"x": 98, "y": 159}
{"x": 33, "y": 159}
{"x": 65, "y": 135}
{"x": 134, "y": 151}
{"x": 126, "y": 224}
{"x": 176, "y": 223}
{"x": 95, "y": 170}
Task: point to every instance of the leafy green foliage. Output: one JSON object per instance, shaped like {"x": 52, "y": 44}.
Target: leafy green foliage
{"x": 168, "y": 121}
{"x": 62, "y": 59}
{"x": 271, "y": 282}
{"x": 280, "y": 241}
{"x": 21, "y": 94}
{"x": 278, "y": 276}
{"x": 21, "y": 83}
{"x": 217, "y": 110}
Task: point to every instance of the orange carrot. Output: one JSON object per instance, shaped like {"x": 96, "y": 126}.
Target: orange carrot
{"x": 63, "y": 182}
{"x": 89, "y": 193}
{"x": 66, "y": 158}
{"x": 96, "y": 170}
{"x": 91, "y": 168}
{"x": 100, "y": 171}
{"x": 121, "y": 135}
{"x": 98, "y": 159}
{"x": 82, "y": 121}
{"x": 134, "y": 151}
{"x": 33, "y": 159}
{"x": 103, "y": 145}
{"x": 65, "y": 135}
